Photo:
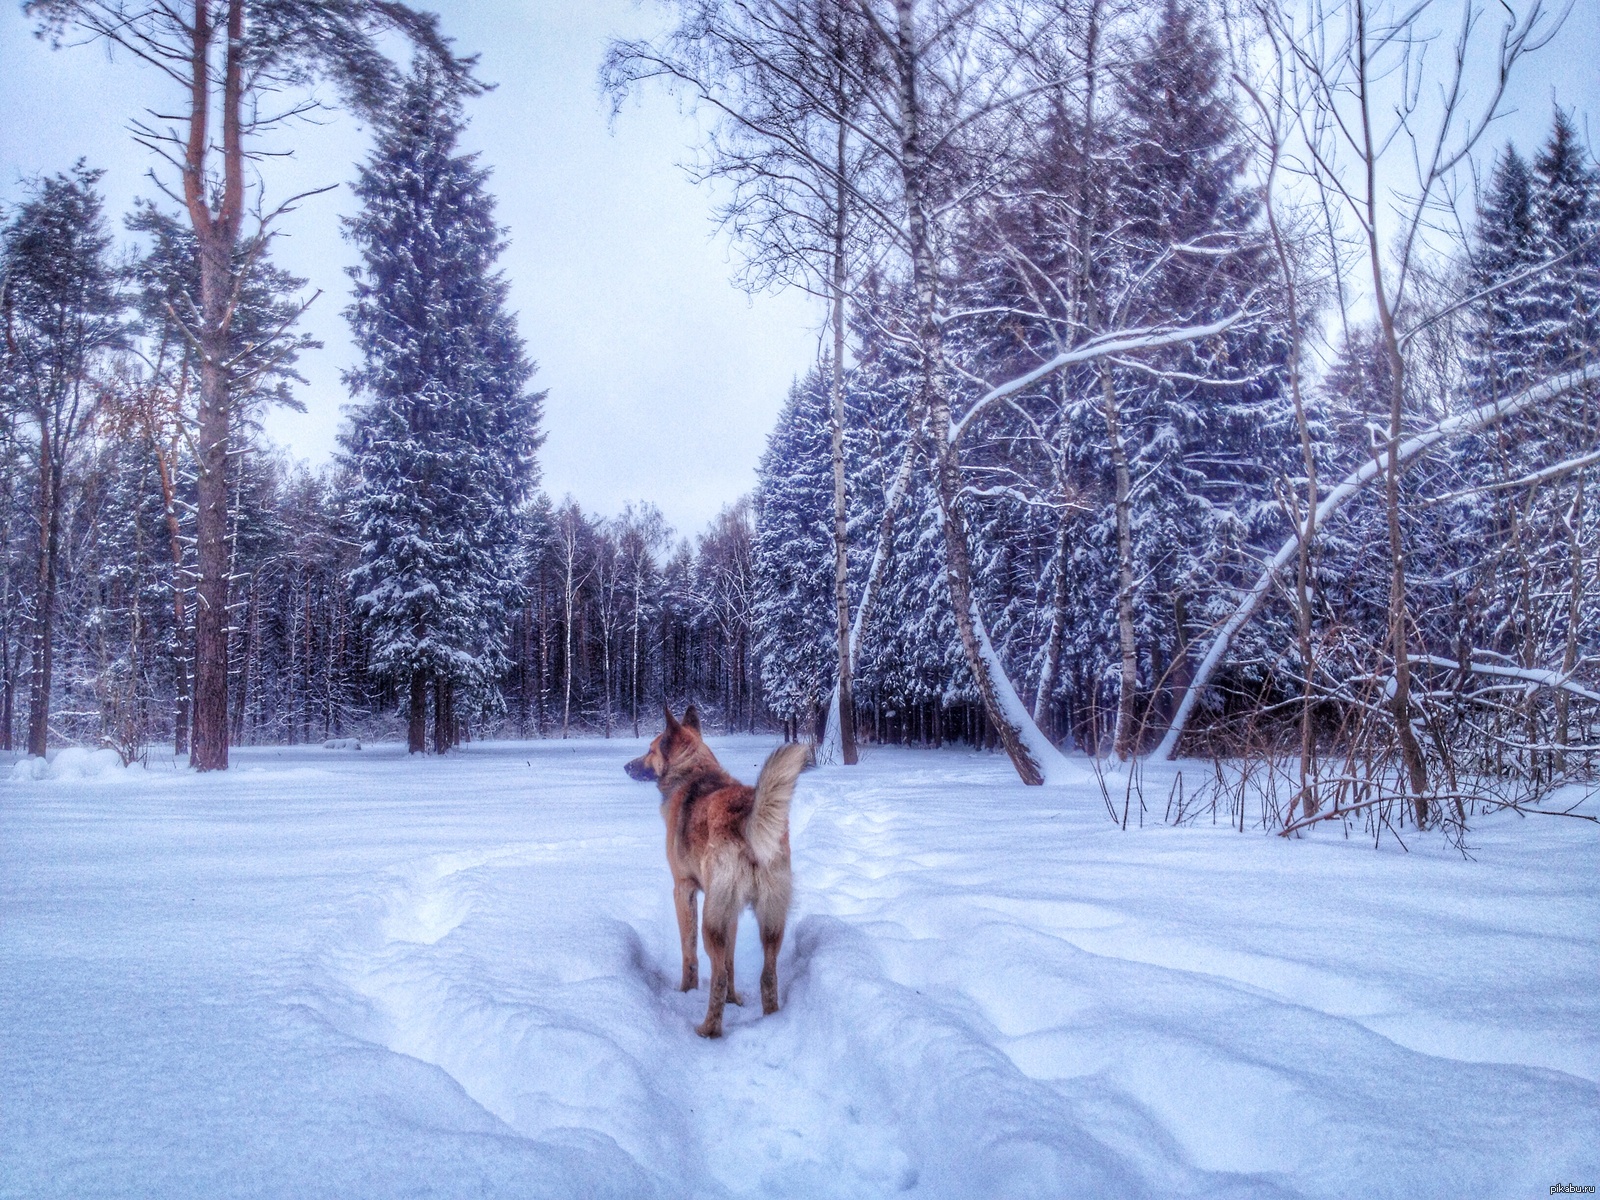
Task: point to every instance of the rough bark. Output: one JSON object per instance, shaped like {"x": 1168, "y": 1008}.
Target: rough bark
{"x": 217, "y": 234}
{"x": 445, "y": 730}
{"x": 417, "y": 715}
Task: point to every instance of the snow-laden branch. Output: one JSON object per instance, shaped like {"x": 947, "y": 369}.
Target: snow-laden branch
{"x": 1471, "y": 421}
{"x": 1123, "y": 341}
{"x": 1543, "y": 475}
{"x": 1533, "y": 675}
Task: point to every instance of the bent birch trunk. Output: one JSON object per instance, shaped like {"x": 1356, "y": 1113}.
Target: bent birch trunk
{"x": 1472, "y": 421}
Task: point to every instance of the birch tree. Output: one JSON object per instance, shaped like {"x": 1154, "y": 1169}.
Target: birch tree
{"x": 788, "y": 80}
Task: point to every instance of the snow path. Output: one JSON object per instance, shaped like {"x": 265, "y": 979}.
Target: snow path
{"x": 354, "y": 974}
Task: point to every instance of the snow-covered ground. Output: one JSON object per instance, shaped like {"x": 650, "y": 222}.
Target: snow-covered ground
{"x": 344, "y": 973}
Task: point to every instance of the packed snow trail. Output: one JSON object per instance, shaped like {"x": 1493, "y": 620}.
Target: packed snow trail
{"x": 335, "y": 974}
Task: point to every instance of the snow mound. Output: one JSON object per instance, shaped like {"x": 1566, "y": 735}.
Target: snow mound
{"x": 72, "y": 762}
{"x": 342, "y": 744}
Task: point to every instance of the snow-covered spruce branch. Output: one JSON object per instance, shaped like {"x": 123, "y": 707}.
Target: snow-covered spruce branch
{"x": 1123, "y": 341}
{"x": 1482, "y": 417}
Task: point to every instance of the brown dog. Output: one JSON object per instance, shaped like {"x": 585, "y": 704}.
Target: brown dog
{"x": 728, "y": 841}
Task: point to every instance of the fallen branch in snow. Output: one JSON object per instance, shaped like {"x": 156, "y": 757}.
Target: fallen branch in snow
{"x": 1482, "y": 417}
{"x": 1526, "y": 810}
{"x": 1334, "y": 814}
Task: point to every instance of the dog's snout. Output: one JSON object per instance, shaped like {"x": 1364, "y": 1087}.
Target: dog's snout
{"x": 640, "y": 770}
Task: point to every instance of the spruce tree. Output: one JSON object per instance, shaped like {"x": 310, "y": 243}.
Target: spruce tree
{"x": 793, "y": 556}
{"x": 444, "y": 439}
{"x": 60, "y": 311}
{"x": 1566, "y": 215}
{"x": 1207, "y": 426}
{"x": 1503, "y": 344}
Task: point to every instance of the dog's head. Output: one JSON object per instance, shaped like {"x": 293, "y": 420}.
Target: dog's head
{"x": 674, "y": 743}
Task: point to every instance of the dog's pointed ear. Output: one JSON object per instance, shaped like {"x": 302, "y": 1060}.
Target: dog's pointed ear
{"x": 691, "y": 718}
{"x": 672, "y": 721}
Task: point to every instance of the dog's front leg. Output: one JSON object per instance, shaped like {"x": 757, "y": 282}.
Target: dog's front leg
{"x": 683, "y": 891}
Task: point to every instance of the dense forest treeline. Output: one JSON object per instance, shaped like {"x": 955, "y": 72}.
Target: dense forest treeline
{"x": 1149, "y": 418}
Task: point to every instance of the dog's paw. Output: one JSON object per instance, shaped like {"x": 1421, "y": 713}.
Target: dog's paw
{"x": 768, "y": 1007}
{"x": 691, "y": 980}
{"x": 709, "y": 1028}
{"x": 735, "y": 998}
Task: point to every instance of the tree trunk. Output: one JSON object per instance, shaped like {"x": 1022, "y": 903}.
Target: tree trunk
{"x": 417, "y": 715}
{"x": 1399, "y": 619}
{"x": 444, "y": 715}
{"x": 566, "y": 673}
{"x": 43, "y": 653}
{"x": 8, "y": 698}
{"x": 217, "y": 235}
{"x": 210, "y": 748}
{"x": 934, "y": 401}
{"x": 8, "y": 661}
{"x": 1128, "y": 684}
{"x": 880, "y": 561}
{"x": 1055, "y": 641}
{"x": 633, "y": 669}
{"x": 841, "y": 540}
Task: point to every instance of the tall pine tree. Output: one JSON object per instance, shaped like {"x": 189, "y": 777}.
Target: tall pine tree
{"x": 443, "y": 442}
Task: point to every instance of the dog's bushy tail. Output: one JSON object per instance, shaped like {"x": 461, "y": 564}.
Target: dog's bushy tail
{"x": 769, "y": 818}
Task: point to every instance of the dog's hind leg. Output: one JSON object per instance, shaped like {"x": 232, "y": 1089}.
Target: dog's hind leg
{"x": 717, "y": 918}
{"x": 771, "y": 940}
{"x": 733, "y": 938}
{"x": 772, "y": 913}
{"x": 683, "y": 891}
{"x": 717, "y": 948}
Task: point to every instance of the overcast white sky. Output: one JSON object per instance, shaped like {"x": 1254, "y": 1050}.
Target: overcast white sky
{"x": 664, "y": 379}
